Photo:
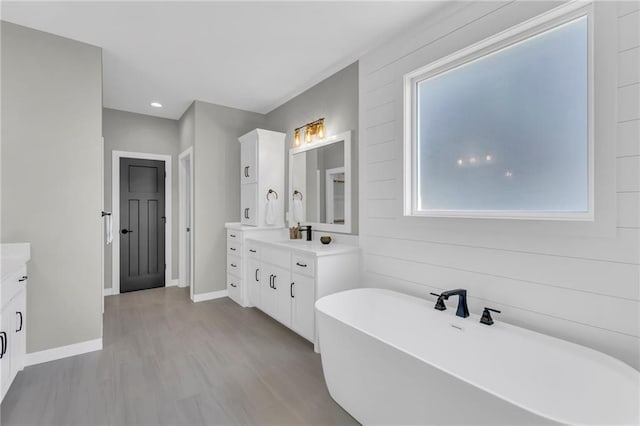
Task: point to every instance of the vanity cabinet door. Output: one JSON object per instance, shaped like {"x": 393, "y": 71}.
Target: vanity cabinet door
{"x": 281, "y": 284}
{"x": 267, "y": 298}
{"x": 252, "y": 277}
{"x": 302, "y": 294}
{"x": 274, "y": 292}
{"x": 249, "y": 204}
{"x": 19, "y": 341}
{"x": 248, "y": 161}
{"x": 6, "y": 348}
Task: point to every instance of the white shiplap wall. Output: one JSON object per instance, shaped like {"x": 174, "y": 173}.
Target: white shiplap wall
{"x": 576, "y": 281}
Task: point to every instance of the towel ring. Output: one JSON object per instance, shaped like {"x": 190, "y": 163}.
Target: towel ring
{"x": 296, "y": 192}
{"x": 271, "y": 191}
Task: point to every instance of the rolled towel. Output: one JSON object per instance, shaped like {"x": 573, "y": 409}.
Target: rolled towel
{"x": 108, "y": 224}
{"x": 298, "y": 211}
{"x": 270, "y": 217}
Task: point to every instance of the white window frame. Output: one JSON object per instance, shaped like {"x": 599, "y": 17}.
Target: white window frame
{"x": 553, "y": 18}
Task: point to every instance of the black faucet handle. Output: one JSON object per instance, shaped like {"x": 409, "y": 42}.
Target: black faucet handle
{"x": 440, "y": 303}
{"x": 486, "y": 315}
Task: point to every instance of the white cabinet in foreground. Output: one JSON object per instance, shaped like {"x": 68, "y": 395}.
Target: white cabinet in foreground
{"x": 13, "y": 312}
{"x": 286, "y": 278}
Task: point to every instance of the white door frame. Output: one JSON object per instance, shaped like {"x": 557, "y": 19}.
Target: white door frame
{"x": 186, "y": 155}
{"x": 329, "y": 207}
{"x": 115, "y": 213}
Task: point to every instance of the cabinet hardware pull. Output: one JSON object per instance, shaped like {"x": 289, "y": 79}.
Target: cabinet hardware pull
{"x": 232, "y": 248}
{"x": 232, "y": 285}
{"x": 3, "y": 351}
{"x": 126, "y": 231}
{"x": 291, "y": 290}
{"x": 303, "y": 265}
{"x": 233, "y": 265}
{"x": 24, "y": 278}
{"x": 21, "y": 321}
{"x": 252, "y": 250}
{"x": 274, "y": 282}
{"x": 271, "y": 280}
{"x": 232, "y": 235}
{"x": 257, "y": 279}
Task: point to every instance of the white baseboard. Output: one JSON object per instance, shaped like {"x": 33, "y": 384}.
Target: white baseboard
{"x": 60, "y": 352}
{"x": 209, "y": 296}
{"x": 108, "y": 291}
{"x": 172, "y": 283}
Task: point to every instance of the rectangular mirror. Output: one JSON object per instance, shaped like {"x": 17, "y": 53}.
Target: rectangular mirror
{"x": 320, "y": 184}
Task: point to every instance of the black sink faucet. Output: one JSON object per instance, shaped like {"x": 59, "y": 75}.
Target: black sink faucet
{"x": 308, "y": 229}
{"x": 463, "y": 310}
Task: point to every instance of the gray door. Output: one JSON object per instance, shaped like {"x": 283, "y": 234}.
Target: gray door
{"x": 142, "y": 224}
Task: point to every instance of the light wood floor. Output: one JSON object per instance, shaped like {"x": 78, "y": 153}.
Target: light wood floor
{"x": 167, "y": 361}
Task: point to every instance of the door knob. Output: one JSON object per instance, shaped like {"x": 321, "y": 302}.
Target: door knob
{"x": 126, "y": 231}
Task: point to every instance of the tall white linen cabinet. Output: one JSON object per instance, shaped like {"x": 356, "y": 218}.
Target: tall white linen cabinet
{"x": 262, "y": 178}
{"x": 262, "y": 156}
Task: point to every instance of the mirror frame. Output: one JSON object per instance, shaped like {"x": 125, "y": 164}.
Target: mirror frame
{"x": 327, "y": 227}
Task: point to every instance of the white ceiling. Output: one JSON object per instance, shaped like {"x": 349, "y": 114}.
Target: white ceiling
{"x": 248, "y": 55}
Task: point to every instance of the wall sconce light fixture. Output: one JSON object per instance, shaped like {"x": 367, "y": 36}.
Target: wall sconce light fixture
{"x": 311, "y": 130}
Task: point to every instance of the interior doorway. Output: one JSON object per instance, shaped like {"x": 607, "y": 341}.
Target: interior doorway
{"x": 185, "y": 219}
{"x": 142, "y": 224}
{"x": 147, "y": 173}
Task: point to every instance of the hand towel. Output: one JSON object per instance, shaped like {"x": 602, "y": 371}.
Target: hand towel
{"x": 270, "y": 217}
{"x": 298, "y": 211}
{"x": 108, "y": 224}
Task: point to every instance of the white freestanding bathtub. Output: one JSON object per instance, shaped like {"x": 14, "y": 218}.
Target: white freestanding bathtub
{"x": 391, "y": 359}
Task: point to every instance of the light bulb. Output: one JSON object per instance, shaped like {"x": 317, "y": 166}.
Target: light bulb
{"x": 488, "y": 157}
{"x": 320, "y": 129}
{"x": 307, "y": 134}
{"x": 459, "y": 162}
{"x": 296, "y": 137}
{"x": 472, "y": 160}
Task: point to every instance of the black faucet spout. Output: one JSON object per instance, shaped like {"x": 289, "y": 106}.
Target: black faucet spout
{"x": 308, "y": 229}
{"x": 463, "y": 310}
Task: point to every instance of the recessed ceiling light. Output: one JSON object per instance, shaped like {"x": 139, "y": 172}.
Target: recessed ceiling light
{"x": 156, "y": 104}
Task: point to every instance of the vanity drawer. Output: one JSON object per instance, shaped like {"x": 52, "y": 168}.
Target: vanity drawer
{"x": 253, "y": 250}
{"x": 234, "y": 247}
{"x": 277, "y": 257}
{"x": 233, "y": 235}
{"x": 234, "y": 288}
{"x": 302, "y": 264}
{"x": 234, "y": 265}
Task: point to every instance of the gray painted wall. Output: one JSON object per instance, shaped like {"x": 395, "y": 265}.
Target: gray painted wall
{"x": 128, "y": 131}
{"x": 51, "y": 180}
{"x": 335, "y": 99}
{"x": 216, "y": 187}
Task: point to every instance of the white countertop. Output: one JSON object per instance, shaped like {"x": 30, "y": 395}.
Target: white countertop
{"x": 311, "y": 247}
{"x": 240, "y": 227}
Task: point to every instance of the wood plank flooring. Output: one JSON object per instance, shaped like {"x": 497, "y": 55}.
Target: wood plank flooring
{"x": 167, "y": 361}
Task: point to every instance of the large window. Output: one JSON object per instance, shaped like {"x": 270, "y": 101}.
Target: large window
{"x": 502, "y": 128}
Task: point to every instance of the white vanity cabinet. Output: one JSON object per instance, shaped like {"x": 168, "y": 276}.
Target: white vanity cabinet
{"x": 286, "y": 278}
{"x": 13, "y": 312}
{"x": 238, "y": 259}
{"x": 261, "y": 171}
